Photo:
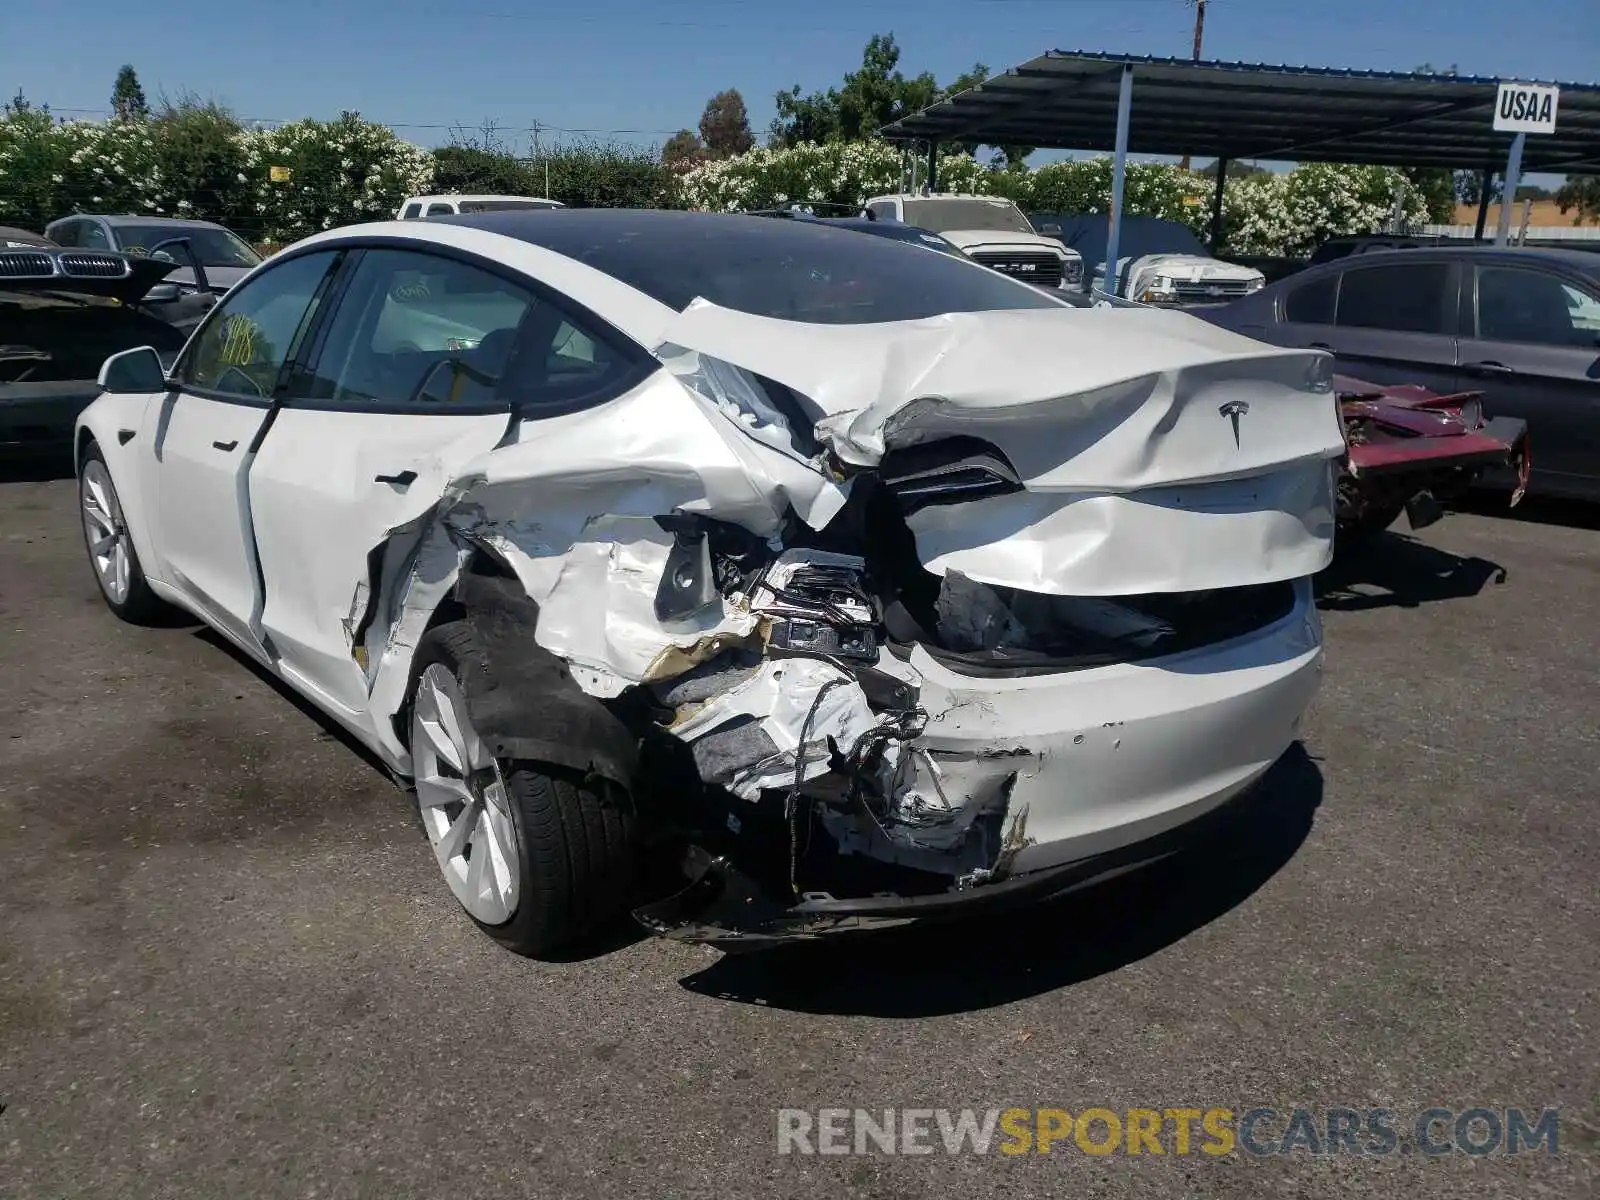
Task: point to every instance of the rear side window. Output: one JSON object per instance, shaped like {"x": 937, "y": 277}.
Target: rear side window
{"x": 425, "y": 330}
{"x": 1312, "y": 303}
{"x": 411, "y": 212}
{"x": 1535, "y": 308}
{"x": 1400, "y": 298}
{"x": 416, "y": 328}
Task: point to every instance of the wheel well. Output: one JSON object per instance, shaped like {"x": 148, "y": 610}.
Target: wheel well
{"x": 81, "y": 450}
{"x": 484, "y": 563}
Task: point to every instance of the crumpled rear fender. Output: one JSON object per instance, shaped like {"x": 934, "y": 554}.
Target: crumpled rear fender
{"x": 525, "y": 705}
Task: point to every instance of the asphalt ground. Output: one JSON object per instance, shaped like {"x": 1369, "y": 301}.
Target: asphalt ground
{"x": 228, "y": 966}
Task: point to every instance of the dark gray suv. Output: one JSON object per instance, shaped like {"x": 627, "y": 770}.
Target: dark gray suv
{"x": 1521, "y": 325}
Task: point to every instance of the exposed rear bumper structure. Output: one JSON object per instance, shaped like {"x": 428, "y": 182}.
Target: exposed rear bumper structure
{"x": 1098, "y": 772}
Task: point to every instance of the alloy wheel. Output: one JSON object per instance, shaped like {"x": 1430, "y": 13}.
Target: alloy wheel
{"x": 463, "y": 801}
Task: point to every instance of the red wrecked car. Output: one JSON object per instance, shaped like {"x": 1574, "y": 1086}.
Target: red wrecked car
{"x": 1409, "y": 448}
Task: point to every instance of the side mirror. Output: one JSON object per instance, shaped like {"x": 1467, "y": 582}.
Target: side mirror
{"x": 162, "y": 293}
{"x": 133, "y": 372}
{"x": 182, "y": 243}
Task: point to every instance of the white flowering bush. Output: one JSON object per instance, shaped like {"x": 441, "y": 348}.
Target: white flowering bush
{"x": 341, "y": 172}
{"x": 1291, "y": 214}
{"x": 198, "y": 160}
{"x": 1148, "y": 189}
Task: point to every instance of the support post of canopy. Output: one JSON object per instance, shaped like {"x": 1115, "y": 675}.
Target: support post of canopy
{"x": 1508, "y": 194}
{"x": 1216, "y": 204}
{"x": 1118, "y": 167}
{"x": 933, "y": 167}
{"x": 1484, "y": 180}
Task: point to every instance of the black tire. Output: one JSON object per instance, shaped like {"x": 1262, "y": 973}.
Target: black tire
{"x": 575, "y": 835}
{"x": 140, "y": 606}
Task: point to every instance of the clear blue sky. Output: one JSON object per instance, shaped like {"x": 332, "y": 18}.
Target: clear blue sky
{"x": 635, "y": 70}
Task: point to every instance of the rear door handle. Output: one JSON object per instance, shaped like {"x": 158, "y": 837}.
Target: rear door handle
{"x": 1321, "y": 346}
{"x": 1490, "y": 368}
{"x": 226, "y": 445}
{"x": 403, "y": 479}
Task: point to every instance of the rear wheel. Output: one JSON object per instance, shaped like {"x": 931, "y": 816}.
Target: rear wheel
{"x": 537, "y": 856}
{"x": 111, "y": 553}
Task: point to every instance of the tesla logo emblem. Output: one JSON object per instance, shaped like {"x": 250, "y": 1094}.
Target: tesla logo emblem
{"x": 1233, "y": 410}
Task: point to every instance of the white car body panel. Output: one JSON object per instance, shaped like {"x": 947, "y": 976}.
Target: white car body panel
{"x": 1136, "y": 480}
{"x": 317, "y": 471}
{"x": 987, "y": 241}
{"x": 197, "y": 497}
{"x": 1194, "y": 268}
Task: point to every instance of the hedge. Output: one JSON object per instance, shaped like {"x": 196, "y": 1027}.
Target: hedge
{"x": 276, "y": 185}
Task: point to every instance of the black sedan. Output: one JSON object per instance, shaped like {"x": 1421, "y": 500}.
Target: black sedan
{"x": 1521, "y": 325}
{"x": 62, "y": 314}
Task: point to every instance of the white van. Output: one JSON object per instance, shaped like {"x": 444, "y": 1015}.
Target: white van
{"x": 439, "y": 206}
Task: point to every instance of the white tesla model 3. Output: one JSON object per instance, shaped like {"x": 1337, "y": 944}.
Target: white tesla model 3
{"x": 875, "y": 584}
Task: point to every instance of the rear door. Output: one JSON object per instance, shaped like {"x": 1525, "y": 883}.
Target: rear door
{"x": 402, "y": 390}
{"x": 1396, "y": 321}
{"x": 208, "y": 427}
{"x": 1533, "y": 346}
{"x": 1304, "y": 313}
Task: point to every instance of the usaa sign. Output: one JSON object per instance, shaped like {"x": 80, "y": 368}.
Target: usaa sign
{"x": 1526, "y": 108}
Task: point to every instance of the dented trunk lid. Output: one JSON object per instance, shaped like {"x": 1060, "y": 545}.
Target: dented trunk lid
{"x": 1153, "y": 451}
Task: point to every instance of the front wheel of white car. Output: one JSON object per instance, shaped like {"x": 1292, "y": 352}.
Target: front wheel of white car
{"x": 537, "y": 856}
{"x": 110, "y": 546}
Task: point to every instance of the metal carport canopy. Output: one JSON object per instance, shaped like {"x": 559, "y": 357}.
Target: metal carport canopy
{"x": 1068, "y": 100}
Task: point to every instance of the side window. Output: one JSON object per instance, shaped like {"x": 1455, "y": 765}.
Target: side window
{"x": 256, "y": 329}
{"x": 1312, "y": 303}
{"x": 92, "y": 236}
{"x": 65, "y": 234}
{"x": 1532, "y": 307}
{"x": 440, "y": 208}
{"x": 418, "y": 328}
{"x": 1400, "y": 298}
{"x": 883, "y": 210}
{"x": 411, "y": 211}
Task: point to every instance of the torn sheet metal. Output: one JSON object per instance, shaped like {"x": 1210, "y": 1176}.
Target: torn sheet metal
{"x": 753, "y": 735}
{"x": 1099, "y": 400}
{"x": 1186, "y": 538}
{"x": 1157, "y": 452}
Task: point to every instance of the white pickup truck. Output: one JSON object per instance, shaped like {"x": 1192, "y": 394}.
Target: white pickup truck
{"x": 441, "y": 206}
{"x": 990, "y": 230}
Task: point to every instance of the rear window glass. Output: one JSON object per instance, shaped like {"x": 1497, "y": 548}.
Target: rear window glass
{"x": 1403, "y": 298}
{"x": 791, "y": 270}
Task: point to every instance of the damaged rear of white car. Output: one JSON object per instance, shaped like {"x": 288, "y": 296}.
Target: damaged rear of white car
{"x": 864, "y": 620}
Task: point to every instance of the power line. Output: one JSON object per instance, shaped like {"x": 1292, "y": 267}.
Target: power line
{"x": 106, "y": 112}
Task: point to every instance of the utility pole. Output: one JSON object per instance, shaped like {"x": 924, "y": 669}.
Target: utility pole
{"x": 1199, "y": 33}
{"x": 537, "y": 156}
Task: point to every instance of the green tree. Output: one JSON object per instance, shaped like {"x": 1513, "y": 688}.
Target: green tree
{"x": 683, "y": 147}
{"x": 725, "y": 125}
{"x": 872, "y": 96}
{"x": 200, "y": 155}
{"x": 127, "y": 97}
{"x": 1580, "y": 196}
{"x": 1236, "y": 170}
